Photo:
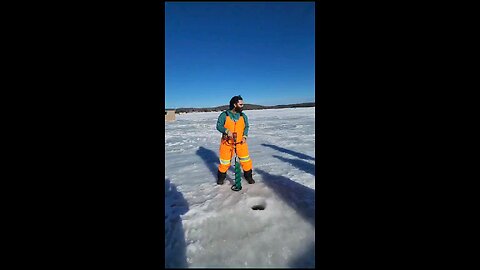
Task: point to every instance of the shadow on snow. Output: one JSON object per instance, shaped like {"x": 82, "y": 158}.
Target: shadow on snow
{"x": 305, "y": 260}
{"x": 302, "y": 165}
{"x": 211, "y": 160}
{"x": 300, "y": 198}
{"x": 175, "y": 246}
{"x": 293, "y": 153}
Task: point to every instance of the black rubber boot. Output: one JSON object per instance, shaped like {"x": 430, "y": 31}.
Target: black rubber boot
{"x": 248, "y": 177}
{"x": 221, "y": 177}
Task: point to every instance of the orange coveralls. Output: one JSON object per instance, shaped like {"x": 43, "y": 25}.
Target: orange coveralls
{"x": 226, "y": 146}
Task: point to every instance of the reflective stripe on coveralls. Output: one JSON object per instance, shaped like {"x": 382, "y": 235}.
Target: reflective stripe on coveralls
{"x": 224, "y": 161}
{"x": 244, "y": 159}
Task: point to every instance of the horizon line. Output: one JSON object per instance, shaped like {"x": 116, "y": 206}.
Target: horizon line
{"x": 187, "y": 107}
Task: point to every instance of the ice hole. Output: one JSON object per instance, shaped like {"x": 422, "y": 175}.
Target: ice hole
{"x": 258, "y": 207}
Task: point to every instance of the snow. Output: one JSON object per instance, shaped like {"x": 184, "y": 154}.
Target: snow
{"x": 207, "y": 225}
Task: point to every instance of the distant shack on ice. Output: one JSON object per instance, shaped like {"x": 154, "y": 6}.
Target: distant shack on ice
{"x": 169, "y": 115}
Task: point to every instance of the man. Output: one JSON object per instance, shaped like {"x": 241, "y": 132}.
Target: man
{"x": 229, "y": 122}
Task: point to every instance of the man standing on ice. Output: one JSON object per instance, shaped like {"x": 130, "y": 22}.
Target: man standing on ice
{"x": 229, "y": 122}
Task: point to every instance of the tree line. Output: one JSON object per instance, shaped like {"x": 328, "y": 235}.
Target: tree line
{"x": 245, "y": 107}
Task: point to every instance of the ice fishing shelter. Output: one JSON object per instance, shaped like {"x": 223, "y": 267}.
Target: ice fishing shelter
{"x": 169, "y": 114}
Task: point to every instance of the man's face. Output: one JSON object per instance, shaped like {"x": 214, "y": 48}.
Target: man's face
{"x": 239, "y": 106}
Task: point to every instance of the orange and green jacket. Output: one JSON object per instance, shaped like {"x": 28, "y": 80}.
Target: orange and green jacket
{"x": 235, "y": 117}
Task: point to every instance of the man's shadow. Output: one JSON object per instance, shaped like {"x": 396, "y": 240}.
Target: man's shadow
{"x": 175, "y": 246}
{"x": 211, "y": 160}
{"x": 302, "y": 165}
{"x": 293, "y": 153}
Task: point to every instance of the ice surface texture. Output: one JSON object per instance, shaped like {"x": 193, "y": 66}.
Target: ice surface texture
{"x": 207, "y": 225}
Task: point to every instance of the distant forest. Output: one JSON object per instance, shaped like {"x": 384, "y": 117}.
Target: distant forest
{"x": 245, "y": 107}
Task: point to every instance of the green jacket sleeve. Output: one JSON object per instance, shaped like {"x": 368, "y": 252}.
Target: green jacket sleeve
{"x": 245, "y": 131}
{"x": 221, "y": 122}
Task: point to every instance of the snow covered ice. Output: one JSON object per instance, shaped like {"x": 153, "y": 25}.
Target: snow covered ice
{"x": 207, "y": 225}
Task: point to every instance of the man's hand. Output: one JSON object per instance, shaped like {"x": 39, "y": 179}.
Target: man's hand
{"x": 229, "y": 134}
{"x": 244, "y": 140}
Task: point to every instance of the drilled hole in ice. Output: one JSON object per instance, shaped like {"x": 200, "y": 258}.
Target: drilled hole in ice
{"x": 258, "y": 207}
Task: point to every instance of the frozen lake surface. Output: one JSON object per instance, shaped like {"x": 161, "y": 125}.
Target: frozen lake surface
{"x": 207, "y": 225}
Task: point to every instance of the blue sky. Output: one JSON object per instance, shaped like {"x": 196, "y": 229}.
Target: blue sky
{"x": 262, "y": 51}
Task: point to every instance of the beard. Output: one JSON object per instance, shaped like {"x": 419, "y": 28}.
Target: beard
{"x": 239, "y": 109}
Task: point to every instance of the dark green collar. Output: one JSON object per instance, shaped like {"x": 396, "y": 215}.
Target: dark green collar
{"x": 234, "y": 115}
